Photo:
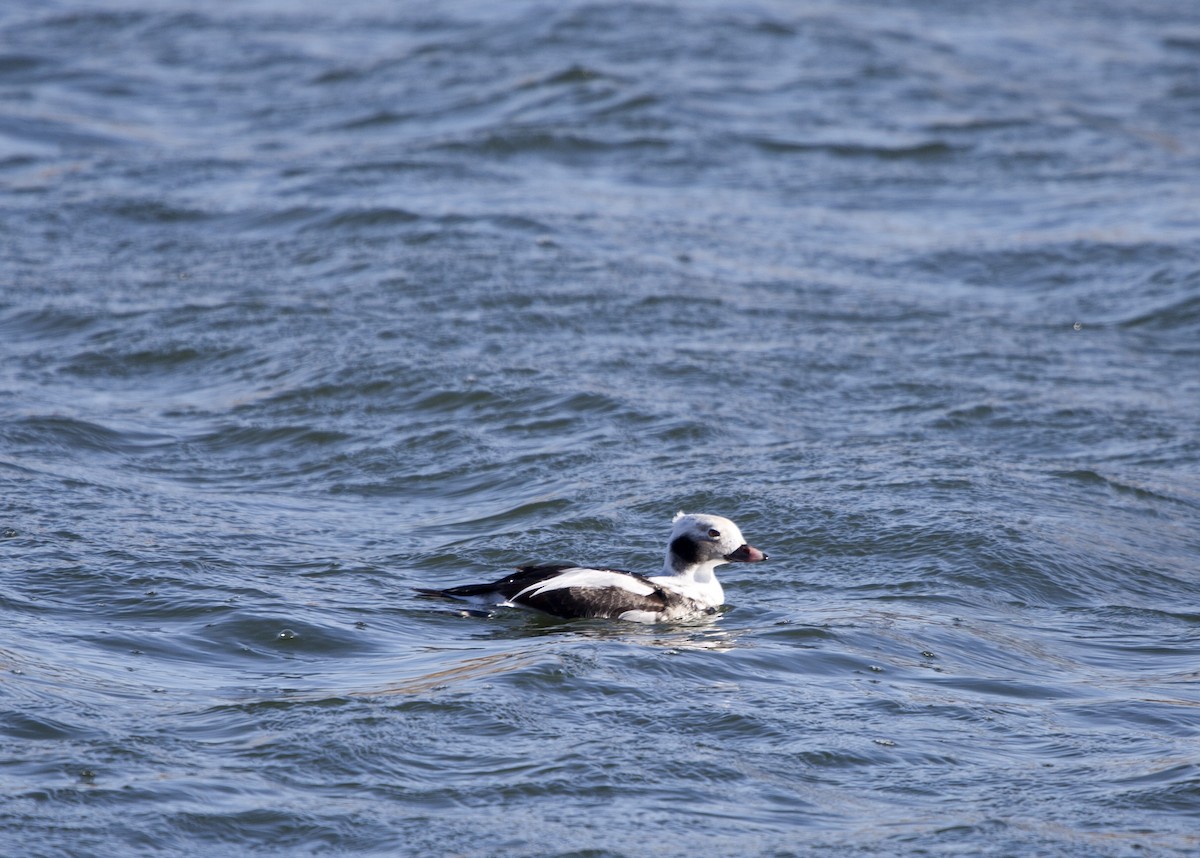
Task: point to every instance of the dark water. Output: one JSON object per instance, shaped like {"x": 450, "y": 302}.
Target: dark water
{"x": 305, "y": 304}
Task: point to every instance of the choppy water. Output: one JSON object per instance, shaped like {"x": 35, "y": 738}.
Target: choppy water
{"x": 306, "y": 304}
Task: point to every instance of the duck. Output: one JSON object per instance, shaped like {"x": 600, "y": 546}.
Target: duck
{"x": 686, "y": 589}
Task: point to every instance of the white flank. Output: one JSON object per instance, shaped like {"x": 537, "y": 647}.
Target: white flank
{"x": 589, "y": 579}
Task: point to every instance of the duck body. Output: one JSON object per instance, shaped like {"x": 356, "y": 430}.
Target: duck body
{"x": 685, "y": 589}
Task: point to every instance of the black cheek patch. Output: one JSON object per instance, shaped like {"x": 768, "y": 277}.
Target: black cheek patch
{"x": 685, "y": 548}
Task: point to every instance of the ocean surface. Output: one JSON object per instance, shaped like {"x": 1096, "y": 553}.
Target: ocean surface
{"x": 304, "y": 305}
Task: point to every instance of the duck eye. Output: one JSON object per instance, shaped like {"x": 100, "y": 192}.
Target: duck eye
{"x": 714, "y": 533}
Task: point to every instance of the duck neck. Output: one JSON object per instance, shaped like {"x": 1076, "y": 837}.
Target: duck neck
{"x": 699, "y": 573}
{"x": 695, "y": 580}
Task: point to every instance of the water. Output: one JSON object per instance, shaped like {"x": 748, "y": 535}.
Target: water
{"x": 305, "y": 305}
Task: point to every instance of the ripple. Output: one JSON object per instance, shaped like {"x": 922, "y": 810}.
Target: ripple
{"x": 516, "y": 142}
{"x": 917, "y": 149}
{"x": 257, "y": 440}
{"x": 17, "y": 65}
{"x": 156, "y": 212}
{"x": 1139, "y": 487}
{"x": 167, "y": 359}
{"x": 44, "y": 323}
{"x": 1184, "y": 313}
{"x": 70, "y": 133}
{"x": 70, "y": 434}
{"x": 27, "y": 727}
{"x": 369, "y": 218}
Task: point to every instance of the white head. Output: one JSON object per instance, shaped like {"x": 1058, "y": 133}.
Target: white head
{"x": 700, "y": 543}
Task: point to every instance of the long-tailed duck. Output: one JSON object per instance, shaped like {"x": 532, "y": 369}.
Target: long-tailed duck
{"x": 685, "y": 588}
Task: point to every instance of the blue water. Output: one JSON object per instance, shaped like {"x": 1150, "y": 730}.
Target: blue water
{"x": 304, "y": 305}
